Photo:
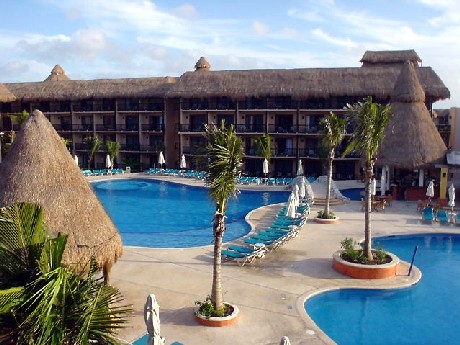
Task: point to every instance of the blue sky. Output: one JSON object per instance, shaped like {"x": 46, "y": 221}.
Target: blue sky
{"x": 144, "y": 38}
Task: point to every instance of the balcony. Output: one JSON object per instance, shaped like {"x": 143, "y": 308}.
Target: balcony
{"x": 194, "y": 150}
{"x": 153, "y": 127}
{"x": 285, "y": 152}
{"x": 252, "y": 128}
{"x": 83, "y": 127}
{"x": 128, "y": 128}
{"x": 105, "y": 128}
{"x": 130, "y": 147}
{"x": 152, "y": 148}
{"x": 251, "y": 151}
{"x": 66, "y": 127}
{"x": 191, "y": 128}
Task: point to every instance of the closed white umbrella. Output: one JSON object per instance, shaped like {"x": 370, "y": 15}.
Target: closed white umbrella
{"x": 299, "y": 168}
{"x": 302, "y": 185}
{"x": 76, "y": 160}
{"x": 383, "y": 183}
{"x": 430, "y": 190}
{"x": 161, "y": 159}
{"x": 451, "y": 196}
{"x": 183, "y": 163}
{"x": 309, "y": 192}
{"x": 108, "y": 161}
{"x": 265, "y": 166}
{"x": 373, "y": 186}
{"x": 296, "y": 195}
{"x": 291, "y": 207}
{"x": 152, "y": 321}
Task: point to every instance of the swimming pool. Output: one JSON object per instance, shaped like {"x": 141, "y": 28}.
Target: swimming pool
{"x": 353, "y": 193}
{"x": 151, "y": 213}
{"x": 427, "y": 313}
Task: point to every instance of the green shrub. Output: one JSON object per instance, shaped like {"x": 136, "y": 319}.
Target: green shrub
{"x": 322, "y": 215}
{"x": 206, "y": 308}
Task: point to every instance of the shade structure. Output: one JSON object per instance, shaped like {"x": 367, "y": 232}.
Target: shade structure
{"x": 40, "y": 169}
{"x": 76, "y": 159}
{"x": 299, "y": 168}
{"x": 430, "y": 190}
{"x": 161, "y": 159}
{"x": 6, "y": 95}
{"x": 285, "y": 341}
{"x": 291, "y": 206}
{"x": 411, "y": 140}
{"x": 108, "y": 162}
{"x": 265, "y": 166}
{"x": 451, "y": 195}
{"x": 152, "y": 321}
{"x": 183, "y": 163}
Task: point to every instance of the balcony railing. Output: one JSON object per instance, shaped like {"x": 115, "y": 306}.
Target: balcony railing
{"x": 128, "y": 128}
{"x": 285, "y": 152}
{"x": 105, "y": 128}
{"x": 152, "y": 148}
{"x": 254, "y": 128}
{"x": 153, "y": 127}
{"x": 63, "y": 127}
{"x": 130, "y": 147}
{"x": 191, "y": 128}
{"x": 83, "y": 127}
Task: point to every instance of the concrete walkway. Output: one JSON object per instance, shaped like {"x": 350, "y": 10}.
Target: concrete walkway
{"x": 270, "y": 292}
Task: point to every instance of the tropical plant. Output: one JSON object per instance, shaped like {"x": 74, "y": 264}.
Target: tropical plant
{"x": 19, "y": 118}
{"x": 66, "y": 142}
{"x": 42, "y": 301}
{"x": 263, "y": 146}
{"x": 93, "y": 145}
{"x": 333, "y": 130}
{"x": 370, "y": 120}
{"x": 113, "y": 149}
{"x": 224, "y": 151}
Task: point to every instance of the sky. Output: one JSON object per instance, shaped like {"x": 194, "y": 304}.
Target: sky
{"x": 93, "y": 39}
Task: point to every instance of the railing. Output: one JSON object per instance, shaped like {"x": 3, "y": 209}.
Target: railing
{"x": 83, "y": 127}
{"x": 105, "y": 128}
{"x": 63, "y": 127}
{"x": 153, "y": 127}
{"x": 254, "y": 128}
{"x": 128, "y": 128}
{"x": 152, "y": 148}
{"x": 129, "y": 147}
{"x": 285, "y": 152}
{"x": 191, "y": 128}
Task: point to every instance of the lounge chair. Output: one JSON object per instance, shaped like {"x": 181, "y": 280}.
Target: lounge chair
{"x": 428, "y": 215}
{"x": 259, "y": 251}
{"x": 457, "y": 219}
{"x": 442, "y": 217}
{"x": 242, "y": 259}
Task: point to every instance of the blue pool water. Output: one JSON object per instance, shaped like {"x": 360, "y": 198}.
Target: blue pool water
{"x": 352, "y": 193}
{"x": 159, "y": 214}
{"x": 427, "y": 313}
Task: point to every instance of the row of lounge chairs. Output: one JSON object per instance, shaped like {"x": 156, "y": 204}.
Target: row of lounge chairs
{"x": 430, "y": 215}
{"x": 255, "y": 246}
{"x": 101, "y": 172}
{"x": 176, "y": 172}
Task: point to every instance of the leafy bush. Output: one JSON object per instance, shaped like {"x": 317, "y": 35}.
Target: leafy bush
{"x": 322, "y": 215}
{"x": 206, "y": 308}
{"x": 352, "y": 254}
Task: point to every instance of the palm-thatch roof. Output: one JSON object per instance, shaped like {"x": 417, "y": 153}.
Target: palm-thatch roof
{"x": 302, "y": 83}
{"x": 5, "y": 94}
{"x": 411, "y": 138}
{"x": 202, "y": 64}
{"x": 87, "y": 89}
{"x": 38, "y": 168}
{"x": 57, "y": 73}
{"x": 385, "y": 57}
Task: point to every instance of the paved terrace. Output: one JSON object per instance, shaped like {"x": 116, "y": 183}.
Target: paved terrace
{"x": 270, "y": 292}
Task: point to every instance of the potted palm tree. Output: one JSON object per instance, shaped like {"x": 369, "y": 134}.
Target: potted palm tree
{"x": 370, "y": 120}
{"x": 113, "y": 149}
{"x": 333, "y": 130}
{"x": 224, "y": 151}
{"x": 93, "y": 144}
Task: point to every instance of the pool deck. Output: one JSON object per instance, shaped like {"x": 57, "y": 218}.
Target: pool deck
{"x": 269, "y": 292}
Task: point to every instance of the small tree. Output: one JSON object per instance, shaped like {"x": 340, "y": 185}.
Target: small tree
{"x": 333, "y": 130}
{"x": 263, "y": 146}
{"x": 113, "y": 148}
{"x": 19, "y": 118}
{"x": 370, "y": 121}
{"x": 225, "y": 152}
{"x": 93, "y": 145}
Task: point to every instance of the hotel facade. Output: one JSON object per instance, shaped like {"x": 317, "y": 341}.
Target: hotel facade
{"x": 152, "y": 115}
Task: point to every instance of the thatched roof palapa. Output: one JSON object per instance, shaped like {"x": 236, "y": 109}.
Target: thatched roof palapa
{"x": 202, "y": 64}
{"x": 57, "y": 73}
{"x": 411, "y": 138}
{"x": 6, "y": 95}
{"x": 385, "y": 57}
{"x": 39, "y": 169}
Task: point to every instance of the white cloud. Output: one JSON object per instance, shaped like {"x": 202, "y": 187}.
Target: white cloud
{"x": 260, "y": 28}
{"x": 342, "y": 42}
{"x": 186, "y": 11}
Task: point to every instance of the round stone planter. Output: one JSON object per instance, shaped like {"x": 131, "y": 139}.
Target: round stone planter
{"x": 218, "y": 321}
{"x": 335, "y": 220}
{"x": 361, "y": 271}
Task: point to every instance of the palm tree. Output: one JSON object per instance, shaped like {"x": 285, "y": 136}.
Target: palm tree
{"x": 93, "y": 143}
{"x": 224, "y": 150}
{"x": 113, "y": 148}
{"x": 19, "y": 118}
{"x": 42, "y": 301}
{"x": 370, "y": 120}
{"x": 333, "y": 130}
{"x": 263, "y": 147}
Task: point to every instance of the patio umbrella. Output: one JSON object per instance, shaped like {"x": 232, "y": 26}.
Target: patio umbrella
{"x": 302, "y": 185}
{"x": 299, "y": 168}
{"x": 291, "y": 207}
{"x": 183, "y": 163}
{"x": 152, "y": 321}
{"x": 430, "y": 190}
{"x": 285, "y": 341}
{"x": 373, "y": 186}
{"x": 76, "y": 160}
{"x": 296, "y": 195}
{"x": 309, "y": 191}
{"x": 108, "y": 161}
{"x": 265, "y": 166}
{"x": 383, "y": 183}
{"x": 451, "y": 196}
{"x": 161, "y": 159}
